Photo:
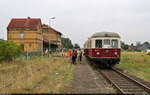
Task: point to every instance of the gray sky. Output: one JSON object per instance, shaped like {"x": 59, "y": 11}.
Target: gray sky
{"x": 79, "y": 19}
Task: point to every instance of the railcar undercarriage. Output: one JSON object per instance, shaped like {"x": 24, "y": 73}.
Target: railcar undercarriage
{"x": 104, "y": 62}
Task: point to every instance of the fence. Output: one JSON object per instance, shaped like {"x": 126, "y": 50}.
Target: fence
{"x": 28, "y": 55}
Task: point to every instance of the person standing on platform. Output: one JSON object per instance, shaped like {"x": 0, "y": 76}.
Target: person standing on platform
{"x": 62, "y": 52}
{"x": 75, "y": 55}
{"x": 80, "y": 55}
{"x": 70, "y": 56}
{"x": 46, "y": 52}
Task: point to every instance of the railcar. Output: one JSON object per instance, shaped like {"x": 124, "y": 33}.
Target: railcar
{"x": 103, "y": 48}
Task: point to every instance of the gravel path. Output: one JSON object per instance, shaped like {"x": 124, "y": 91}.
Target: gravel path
{"x": 86, "y": 80}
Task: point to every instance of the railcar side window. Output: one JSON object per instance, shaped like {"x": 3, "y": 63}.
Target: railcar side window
{"x": 114, "y": 43}
{"x": 98, "y": 43}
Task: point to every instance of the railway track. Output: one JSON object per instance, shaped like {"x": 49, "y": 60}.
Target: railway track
{"x": 123, "y": 83}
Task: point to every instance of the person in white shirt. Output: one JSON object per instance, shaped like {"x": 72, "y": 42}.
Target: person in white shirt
{"x": 80, "y": 55}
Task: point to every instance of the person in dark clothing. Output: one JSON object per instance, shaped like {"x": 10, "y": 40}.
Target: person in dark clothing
{"x": 73, "y": 56}
{"x": 75, "y": 52}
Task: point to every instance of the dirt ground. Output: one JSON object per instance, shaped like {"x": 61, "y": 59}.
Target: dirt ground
{"x": 86, "y": 80}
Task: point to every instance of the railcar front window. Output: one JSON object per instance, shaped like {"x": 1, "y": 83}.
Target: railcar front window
{"x": 98, "y": 43}
{"x": 106, "y": 42}
{"x": 114, "y": 43}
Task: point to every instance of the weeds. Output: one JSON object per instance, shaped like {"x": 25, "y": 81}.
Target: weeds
{"x": 136, "y": 62}
{"x": 42, "y": 71}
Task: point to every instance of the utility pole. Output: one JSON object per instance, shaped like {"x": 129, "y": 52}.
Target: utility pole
{"x": 50, "y": 30}
{"x": 42, "y": 44}
{"x": 50, "y": 20}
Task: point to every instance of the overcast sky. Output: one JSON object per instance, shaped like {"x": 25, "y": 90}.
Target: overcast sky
{"x": 79, "y": 19}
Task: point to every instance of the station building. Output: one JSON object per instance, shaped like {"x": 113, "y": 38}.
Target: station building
{"x": 32, "y": 35}
{"x": 26, "y": 32}
{"x": 51, "y": 38}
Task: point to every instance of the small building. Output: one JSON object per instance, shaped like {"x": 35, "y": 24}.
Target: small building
{"x": 27, "y": 32}
{"x": 51, "y": 37}
{"x": 143, "y": 47}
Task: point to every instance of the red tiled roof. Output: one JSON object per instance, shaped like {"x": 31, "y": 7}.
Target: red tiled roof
{"x": 28, "y": 23}
{"x": 56, "y": 31}
{"x": 45, "y": 25}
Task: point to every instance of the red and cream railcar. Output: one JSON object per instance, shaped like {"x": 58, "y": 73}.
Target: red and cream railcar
{"x": 103, "y": 48}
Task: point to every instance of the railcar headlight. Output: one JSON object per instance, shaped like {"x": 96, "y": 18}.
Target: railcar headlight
{"x": 98, "y": 53}
{"x": 116, "y": 53}
{"x": 107, "y": 51}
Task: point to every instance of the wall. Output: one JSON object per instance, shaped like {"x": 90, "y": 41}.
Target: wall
{"x": 32, "y": 39}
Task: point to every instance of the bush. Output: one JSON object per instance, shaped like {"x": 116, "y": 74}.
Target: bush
{"x": 148, "y": 53}
{"x": 9, "y": 50}
{"x": 130, "y": 50}
{"x": 138, "y": 50}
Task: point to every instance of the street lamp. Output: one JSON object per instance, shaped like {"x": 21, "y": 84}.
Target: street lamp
{"x": 42, "y": 44}
{"x": 50, "y": 20}
{"x": 50, "y": 26}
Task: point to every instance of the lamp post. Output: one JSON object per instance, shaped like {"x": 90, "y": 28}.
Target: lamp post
{"x": 50, "y": 20}
{"x": 42, "y": 45}
{"x": 50, "y": 26}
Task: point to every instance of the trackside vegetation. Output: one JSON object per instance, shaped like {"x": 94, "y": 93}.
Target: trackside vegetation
{"x": 138, "y": 63}
{"x": 37, "y": 75}
{"x": 9, "y": 50}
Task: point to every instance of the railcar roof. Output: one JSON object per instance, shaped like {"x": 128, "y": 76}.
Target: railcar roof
{"x": 105, "y": 34}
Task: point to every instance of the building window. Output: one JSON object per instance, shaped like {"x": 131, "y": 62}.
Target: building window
{"x": 21, "y": 35}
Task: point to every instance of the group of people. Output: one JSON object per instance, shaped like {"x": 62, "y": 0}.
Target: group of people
{"x": 75, "y": 54}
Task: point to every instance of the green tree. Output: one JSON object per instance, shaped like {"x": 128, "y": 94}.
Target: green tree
{"x": 146, "y": 43}
{"x": 76, "y": 45}
{"x": 138, "y": 43}
{"x": 67, "y": 43}
{"x": 9, "y": 50}
{"x": 124, "y": 46}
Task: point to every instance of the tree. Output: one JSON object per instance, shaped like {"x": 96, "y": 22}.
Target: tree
{"x": 76, "y": 46}
{"x": 146, "y": 43}
{"x": 9, "y": 50}
{"x": 124, "y": 46}
{"x": 66, "y": 43}
{"x": 132, "y": 44}
{"x": 138, "y": 43}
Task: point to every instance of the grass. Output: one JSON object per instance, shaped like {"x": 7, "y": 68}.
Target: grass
{"x": 38, "y": 75}
{"x": 137, "y": 63}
